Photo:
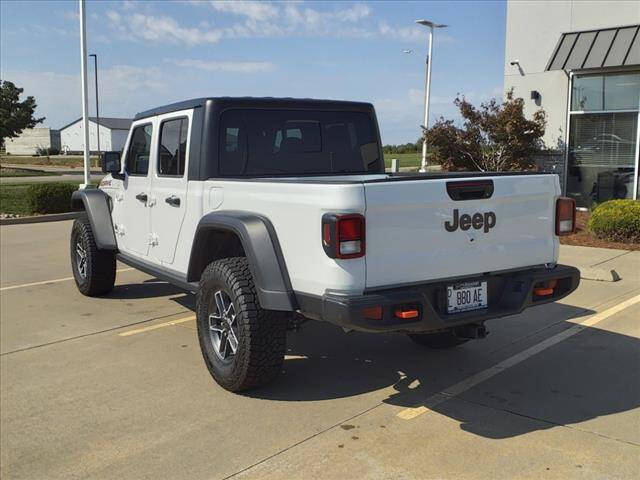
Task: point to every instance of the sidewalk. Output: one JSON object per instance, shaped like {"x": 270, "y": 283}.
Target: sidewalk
{"x": 61, "y": 169}
{"x": 600, "y": 261}
{"x": 64, "y": 174}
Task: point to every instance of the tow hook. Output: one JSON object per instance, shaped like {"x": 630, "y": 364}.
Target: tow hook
{"x": 471, "y": 331}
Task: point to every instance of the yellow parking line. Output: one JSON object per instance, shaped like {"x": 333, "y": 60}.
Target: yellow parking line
{"x": 46, "y": 282}
{"x": 480, "y": 377}
{"x": 155, "y": 327}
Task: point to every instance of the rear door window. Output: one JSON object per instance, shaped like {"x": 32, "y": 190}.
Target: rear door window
{"x": 288, "y": 142}
{"x": 173, "y": 146}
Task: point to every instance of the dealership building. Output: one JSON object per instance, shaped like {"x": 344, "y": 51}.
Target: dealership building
{"x": 580, "y": 62}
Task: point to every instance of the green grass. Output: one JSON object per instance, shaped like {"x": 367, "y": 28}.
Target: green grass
{"x": 13, "y": 197}
{"x": 405, "y": 159}
{"x": 13, "y": 172}
{"x": 52, "y": 160}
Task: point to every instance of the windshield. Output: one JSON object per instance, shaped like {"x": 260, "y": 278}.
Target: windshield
{"x": 291, "y": 142}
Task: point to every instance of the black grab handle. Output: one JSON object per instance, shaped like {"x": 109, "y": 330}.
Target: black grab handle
{"x": 470, "y": 189}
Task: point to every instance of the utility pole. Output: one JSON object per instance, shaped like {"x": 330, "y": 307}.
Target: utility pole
{"x": 95, "y": 74}
{"x": 85, "y": 100}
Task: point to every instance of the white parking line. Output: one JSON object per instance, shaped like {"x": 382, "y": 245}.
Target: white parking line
{"x": 46, "y": 282}
{"x": 480, "y": 377}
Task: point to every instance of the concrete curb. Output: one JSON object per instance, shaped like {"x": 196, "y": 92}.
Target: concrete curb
{"x": 54, "y": 217}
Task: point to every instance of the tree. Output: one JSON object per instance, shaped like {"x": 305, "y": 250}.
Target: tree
{"x": 494, "y": 137}
{"x": 15, "y": 115}
{"x": 403, "y": 148}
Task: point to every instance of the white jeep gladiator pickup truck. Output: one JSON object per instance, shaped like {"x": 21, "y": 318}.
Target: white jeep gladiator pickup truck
{"x": 276, "y": 210}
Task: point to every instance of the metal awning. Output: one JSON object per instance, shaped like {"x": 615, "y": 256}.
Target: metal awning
{"x": 608, "y": 47}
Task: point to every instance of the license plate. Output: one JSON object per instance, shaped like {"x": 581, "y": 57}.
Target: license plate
{"x": 462, "y": 297}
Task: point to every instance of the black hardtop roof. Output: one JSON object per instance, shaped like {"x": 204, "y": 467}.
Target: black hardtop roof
{"x": 257, "y": 102}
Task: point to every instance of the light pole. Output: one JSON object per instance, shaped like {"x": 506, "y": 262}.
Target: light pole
{"x": 427, "y": 85}
{"x": 85, "y": 102}
{"x": 95, "y": 74}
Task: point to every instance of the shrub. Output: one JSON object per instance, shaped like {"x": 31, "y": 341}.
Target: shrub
{"x": 50, "y": 197}
{"x": 46, "y": 151}
{"x": 495, "y": 137}
{"x": 617, "y": 221}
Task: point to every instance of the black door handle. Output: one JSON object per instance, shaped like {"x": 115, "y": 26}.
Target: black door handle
{"x": 142, "y": 197}
{"x": 173, "y": 200}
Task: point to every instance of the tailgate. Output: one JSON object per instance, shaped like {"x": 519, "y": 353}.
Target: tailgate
{"x": 417, "y": 232}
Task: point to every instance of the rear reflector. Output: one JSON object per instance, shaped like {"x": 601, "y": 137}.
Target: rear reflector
{"x": 565, "y": 216}
{"x": 372, "y": 313}
{"x": 406, "y": 314}
{"x": 343, "y": 236}
{"x": 544, "y": 289}
{"x": 541, "y": 292}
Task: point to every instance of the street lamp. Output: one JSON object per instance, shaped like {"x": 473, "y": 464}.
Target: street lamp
{"x": 427, "y": 85}
{"x": 85, "y": 102}
{"x": 95, "y": 74}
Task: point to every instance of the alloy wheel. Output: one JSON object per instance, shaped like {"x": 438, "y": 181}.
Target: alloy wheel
{"x": 223, "y": 328}
{"x": 81, "y": 259}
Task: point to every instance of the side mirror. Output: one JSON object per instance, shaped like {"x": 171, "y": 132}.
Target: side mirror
{"x": 110, "y": 162}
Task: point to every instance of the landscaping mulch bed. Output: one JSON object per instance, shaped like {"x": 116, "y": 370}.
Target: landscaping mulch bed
{"x": 584, "y": 238}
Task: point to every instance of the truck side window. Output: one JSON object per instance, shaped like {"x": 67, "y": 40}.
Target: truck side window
{"x": 173, "y": 146}
{"x": 139, "y": 150}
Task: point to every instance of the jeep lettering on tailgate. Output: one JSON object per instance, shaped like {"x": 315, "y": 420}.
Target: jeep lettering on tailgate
{"x": 466, "y": 221}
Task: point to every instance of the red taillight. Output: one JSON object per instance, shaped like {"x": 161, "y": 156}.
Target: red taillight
{"x": 565, "y": 216}
{"x": 343, "y": 236}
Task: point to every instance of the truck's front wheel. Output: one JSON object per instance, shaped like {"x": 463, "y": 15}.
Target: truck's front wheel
{"x": 93, "y": 270}
{"x": 242, "y": 344}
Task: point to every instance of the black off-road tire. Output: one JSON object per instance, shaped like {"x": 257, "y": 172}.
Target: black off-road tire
{"x": 100, "y": 265}
{"x": 261, "y": 334}
{"x": 438, "y": 340}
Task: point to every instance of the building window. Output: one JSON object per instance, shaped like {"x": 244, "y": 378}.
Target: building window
{"x": 603, "y": 132}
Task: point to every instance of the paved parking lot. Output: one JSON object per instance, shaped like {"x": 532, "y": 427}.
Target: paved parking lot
{"x": 116, "y": 387}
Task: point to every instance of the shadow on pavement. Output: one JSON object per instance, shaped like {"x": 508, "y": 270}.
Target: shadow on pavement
{"x": 591, "y": 374}
{"x": 147, "y": 289}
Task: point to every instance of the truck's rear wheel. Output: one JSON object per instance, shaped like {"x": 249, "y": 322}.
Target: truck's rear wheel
{"x": 93, "y": 270}
{"x": 242, "y": 344}
{"x": 437, "y": 340}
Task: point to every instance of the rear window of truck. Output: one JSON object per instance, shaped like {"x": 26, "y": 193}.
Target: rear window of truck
{"x": 292, "y": 142}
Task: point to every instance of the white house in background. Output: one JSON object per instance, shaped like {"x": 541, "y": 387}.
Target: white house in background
{"x": 33, "y": 139}
{"x": 113, "y": 135}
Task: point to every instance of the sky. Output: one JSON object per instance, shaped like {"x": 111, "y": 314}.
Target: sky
{"x": 155, "y": 53}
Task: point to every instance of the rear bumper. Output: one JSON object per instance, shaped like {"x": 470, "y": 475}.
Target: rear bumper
{"x": 508, "y": 294}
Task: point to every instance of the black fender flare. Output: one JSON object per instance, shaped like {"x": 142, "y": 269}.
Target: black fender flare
{"x": 96, "y": 203}
{"x": 262, "y": 249}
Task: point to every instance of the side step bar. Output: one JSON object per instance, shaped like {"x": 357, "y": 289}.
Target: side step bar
{"x": 158, "y": 272}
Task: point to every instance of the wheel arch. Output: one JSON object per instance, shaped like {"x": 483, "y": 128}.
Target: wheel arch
{"x": 239, "y": 233}
{"x": 96, "y": 205}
